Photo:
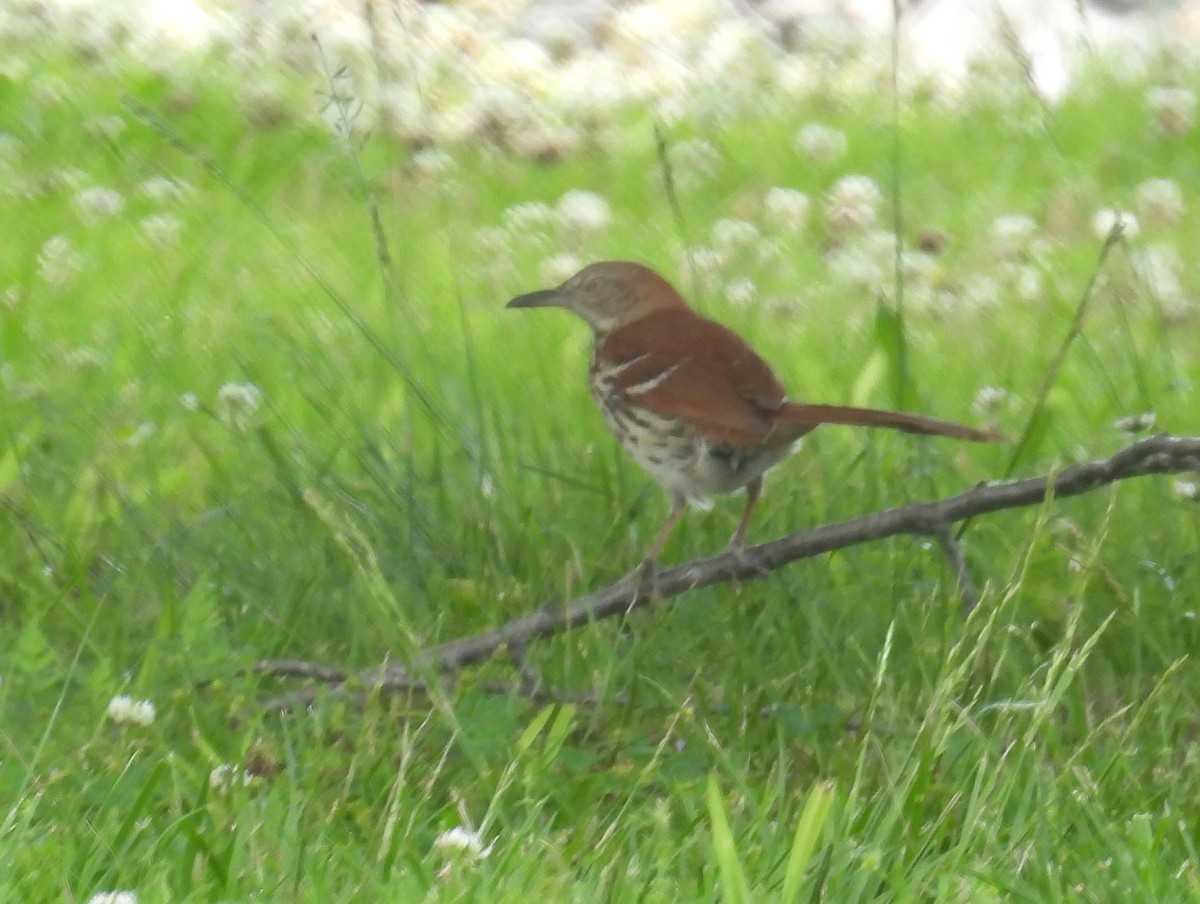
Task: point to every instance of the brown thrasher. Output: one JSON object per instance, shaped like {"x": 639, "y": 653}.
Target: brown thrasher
{"x": 690, "y": 401}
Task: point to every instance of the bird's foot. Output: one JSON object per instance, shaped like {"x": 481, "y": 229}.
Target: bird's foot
{"x": 746, "y": 564}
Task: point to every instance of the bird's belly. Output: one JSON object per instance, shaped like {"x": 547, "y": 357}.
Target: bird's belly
{"x": 683, "y": 462}
{"x": 664, "y": 447}
{"x": 724, "y": 469}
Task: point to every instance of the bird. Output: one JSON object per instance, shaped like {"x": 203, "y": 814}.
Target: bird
{"x": 689, "y": 400}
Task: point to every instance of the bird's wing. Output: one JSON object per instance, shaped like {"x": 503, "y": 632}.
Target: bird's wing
{"x": 679, "y": 364}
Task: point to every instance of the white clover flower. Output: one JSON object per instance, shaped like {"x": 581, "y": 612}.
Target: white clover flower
{"x": 1174, "y": 109}
{"x": 433, "y": 162}
{"x": 1024, "y": 279}
{"x": 1135, "y": 423}
{"x": 695, "y": 17}
{"x": 1188, "y": 489}
{"x": 820, "y": 143}
{"x": 562, "y": 37}
{"x": 980, "y": 292}
{"x": 113, "y": 897}
{"x": 589, "y": 86}
{"x": 559, "y": 268}
{"x": 58, "y": 262}
{"x": 1106, "y": 219}
{"x": 496, "y": 111}
{"x": 98, "y": 203}
{"x": 1012, "y": 235}
{"x": 737, "y": 50}
{"x": 448, "y": 27}
{"x": 237, "y": 403}
{"x": 741, "y": 291}
{"x": 460, "y": 840}
{"x": 529, "y": 217}
{"x": 519, "y": 62}
{"x": 731, "y": 235}
{"x": 852, "y": 204}
{"x": 703, "y": 267}
{"x": 585, "y": 211}
{"x": 162, "y": 188}
{"x": 544, "y": 139}
{"x": 694, "y": 162}
{"x": 190, "y": 401}
{"x": 786, "y": 208}
{"x": 1161, "y": 264}
{"x": 1159, "y": 202}
{"x": 796, "y": 75}
{"x": 406, "y": 114}
{"x": 989, "y": 400}
{"x": 124, "y": 710}
{"x": 917, "y": 266}
{"x": 703, "y": 262}
{"x": 866, "y": 261}
{"x": 1028, "y": 283}
{"x": 161, "y": 229}
{"x": 144, "y": 431}
{"x": 1179, "y": 308}
{"x": 641, "y": 24}
{"x": 492, "y": 240}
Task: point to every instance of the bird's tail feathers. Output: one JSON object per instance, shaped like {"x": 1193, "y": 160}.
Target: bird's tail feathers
{"x": 803, "y": 417}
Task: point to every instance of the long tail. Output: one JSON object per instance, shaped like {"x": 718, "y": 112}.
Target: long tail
{"x": 804, "y": 417}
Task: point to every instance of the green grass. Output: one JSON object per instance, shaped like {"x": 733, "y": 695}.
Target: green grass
{"x": 426, "y": 464}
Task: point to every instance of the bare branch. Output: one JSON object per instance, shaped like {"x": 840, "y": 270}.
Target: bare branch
{"x": 394, "y": 681}
{"x": 1163, "y": 454}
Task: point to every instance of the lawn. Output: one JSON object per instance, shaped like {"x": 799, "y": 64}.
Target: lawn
{"x": 261, "y": 399}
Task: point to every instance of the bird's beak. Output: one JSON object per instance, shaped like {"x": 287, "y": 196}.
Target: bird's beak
{"x": 545, "y": 298}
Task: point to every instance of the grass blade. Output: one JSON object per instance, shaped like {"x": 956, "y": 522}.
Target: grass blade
{"x": 733, "y": 877}
{"x": 808, "y": 830}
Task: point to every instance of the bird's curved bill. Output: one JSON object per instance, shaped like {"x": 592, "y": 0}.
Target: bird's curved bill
{"x": 545, "y": 298}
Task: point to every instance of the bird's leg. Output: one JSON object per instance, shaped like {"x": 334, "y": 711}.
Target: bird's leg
{"x": 645, "y": 572}
{"x": 737, "y": 543}
{"x": 678, "y": 507}
{"x": 753, "y": 491}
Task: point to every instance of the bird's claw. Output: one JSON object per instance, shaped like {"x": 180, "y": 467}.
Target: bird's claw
{"x": 744, "y": 561}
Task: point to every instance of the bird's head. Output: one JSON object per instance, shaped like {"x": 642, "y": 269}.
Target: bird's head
{"x": 608, "y": 295}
